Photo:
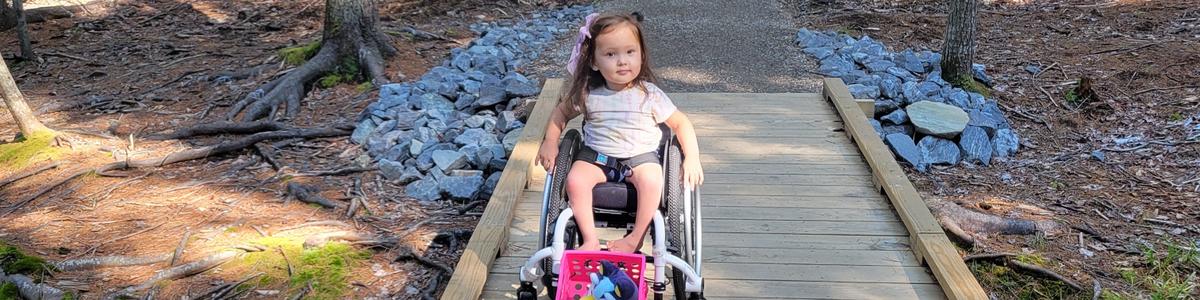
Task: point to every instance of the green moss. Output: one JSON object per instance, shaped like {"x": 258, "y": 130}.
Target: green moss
{"x": 1175, "y": 117}
{"x": 327, "y": 267}
{"x": 299, "y": 54}
{"x": 1032, "y": 259}
{"x": 346, "y": 72}
{"x": 333, "y": 79}
{"x": 37, "y": 146}
{"x": 364, "y": 87}
{"x": 15, "y": 262}
{"x": 8, "y": 291}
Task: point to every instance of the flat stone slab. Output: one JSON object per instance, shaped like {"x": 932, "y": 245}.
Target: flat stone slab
{"x": 937, "y": 119}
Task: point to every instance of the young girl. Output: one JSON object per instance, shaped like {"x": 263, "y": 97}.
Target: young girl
{"x": 612, "y": 86}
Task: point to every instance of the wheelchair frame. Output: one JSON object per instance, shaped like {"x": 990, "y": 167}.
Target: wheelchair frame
{"x": 661, "y": 257}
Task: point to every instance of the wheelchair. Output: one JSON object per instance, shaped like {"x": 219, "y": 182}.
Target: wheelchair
{"x": 675, "y": 230}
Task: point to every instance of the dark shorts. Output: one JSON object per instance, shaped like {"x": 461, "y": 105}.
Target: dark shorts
{"x": 617, "y": 169}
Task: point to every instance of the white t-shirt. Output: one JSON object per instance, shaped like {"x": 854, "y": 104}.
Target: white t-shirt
{"x": 625, "y": 123}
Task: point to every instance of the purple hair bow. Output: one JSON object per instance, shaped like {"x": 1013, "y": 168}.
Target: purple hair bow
{"x": 584, "y": 33}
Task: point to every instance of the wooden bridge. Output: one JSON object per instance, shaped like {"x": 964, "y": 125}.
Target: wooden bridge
{"x": 802, "y": 200}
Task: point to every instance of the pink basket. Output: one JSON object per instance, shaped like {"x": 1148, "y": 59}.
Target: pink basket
{"x": 573, "y": 280}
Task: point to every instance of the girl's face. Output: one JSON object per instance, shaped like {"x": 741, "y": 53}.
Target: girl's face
{"x": 618, "y": 56}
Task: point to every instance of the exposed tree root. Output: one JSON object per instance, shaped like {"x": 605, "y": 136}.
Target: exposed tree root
{"x": 338, "y": 172}
{"x": 27, "y": 173}
{"x": 442, "y": 271}
{"x": 316, "y": 223}
{"x": 966, "y": 225}
{"x": 221, "y": 127}
{"x": 286, "y": 90}
{"x": 320, "y": 239}
{"x": 465, "y": 208}
{"x": 109, "y": 261}
{"x": 225, "y": 147}
{"x": 29, "y": 289}
{"x": 40, "y": 14}
{"x": 222, "y": 292}
{"x": 308, "y": 194}
{"x": 1007, "y": 260}
{"x": 184, "y": 270}
{"x": 268, "y": 156}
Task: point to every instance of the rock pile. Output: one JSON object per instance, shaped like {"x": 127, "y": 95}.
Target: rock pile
{"x": 922, "y": 118}
{"x": 448, "y": 135}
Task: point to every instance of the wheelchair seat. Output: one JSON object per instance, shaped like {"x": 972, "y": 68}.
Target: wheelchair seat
{"x": 619, "y": 196}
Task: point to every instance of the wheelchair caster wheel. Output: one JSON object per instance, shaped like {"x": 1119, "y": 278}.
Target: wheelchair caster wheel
{"x": 526, "y": 291}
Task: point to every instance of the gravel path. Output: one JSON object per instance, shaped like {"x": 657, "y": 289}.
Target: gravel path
{"x": 741, "y": 46}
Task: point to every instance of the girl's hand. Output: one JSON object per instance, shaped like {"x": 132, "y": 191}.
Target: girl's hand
{"x": 693, "y": 174}
{"x": 547, "y": 154}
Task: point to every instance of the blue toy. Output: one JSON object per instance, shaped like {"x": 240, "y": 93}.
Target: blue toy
{"x": 612, "y": 283}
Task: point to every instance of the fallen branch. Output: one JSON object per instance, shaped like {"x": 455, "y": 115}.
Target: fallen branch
{"x": 463, "y": 210}
{"x": 442, "y": 270}
{"x": 39, "y": 193}
{"x": 221, "y": 291}
{"x": 338, "y": 172}
{"x": 29, "y": 289}
{"x": 1165, "y": 89}
{"x": 93, "y": 248}
{"x": 308, "y": 194}
{"x": 224, "y": 147}
{"x": 1008, "y": 260}
{"x": 179, "y": 249}
{"x": 320, "y": 239}
{"x": 184, "y": 270}
{"x": 108, "y": 261}
{"x": 980, "y": 223}
{"x": 27, "y": 173}
{"x": 268, "y": 156}
{"x": 317, "y": 223}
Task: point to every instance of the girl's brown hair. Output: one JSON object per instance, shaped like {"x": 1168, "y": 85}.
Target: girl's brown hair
{"x": 585, "y": 79}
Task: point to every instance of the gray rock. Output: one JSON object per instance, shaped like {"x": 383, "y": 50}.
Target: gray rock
{"x": 819, "y": 52}
{"x": 929, "y": 89}
{"x": 425, "y": 190}
{"x": 471, "y": 86}
{"x": 911, "y": 93}
{"x": 864, "y": 91}
{"x": 462, "y": 187}
{"x": 884, "y": 107}
{"x": 449, "y": 160}
{"x": 364, "y": 128}
{"x": 462, "y": 61}
{"x": 510, "y": 141}
{"x": 491, "y": 93}
{"x": 386, "y": 126}
{"x": 466, "y": 173}
{"x": 1032, "y": 69}
{"x": 905, "y": 129}
{"x": 937, "y": 119}
{"x": 1005, "y": 143}
{"x": 427, "y": 135}
{"x": 890, "y": 87}
{"x": 398, "y": 152}
{"x": 406, "y": 120}
{"x": 425, "y": 160}
{"x": 489, "y": 185}
{"x": 977, "y": 101}
{"x": 476, "y": 136}
{"x": 987, "y": 120}
{"x": 487, "y": 63}
{"x": 976, "y": 146}
{"x": 897, "y": 117}
{"x": 977, "y": 71}
{"x": 835, "y": 66}
{"x": 479, "y": 121}
{"x": 958, "y": 97}
{"x": 433, "y": 101}
{"x": 878, "y": 127}
{"x": 394, "y": 95}
{"x": 391, "y": 169}
{"x": 415, "y": 146}
{"x": 505, "y": 121}
{"x": 904, "y": 148}
{"x": 939, "y": 151}
{"x": 471, "y": 152}
{"x": 465, "y": 101}
{"x": 1098, "y": 155}
{"x": 903, "y": 74}
{"x": 452, "y": 132}
{"x": 870, "y": 80}
{"x": 879, "y": 66}
{"x": 909, "y": 61}
{"x": 516, "y": 85}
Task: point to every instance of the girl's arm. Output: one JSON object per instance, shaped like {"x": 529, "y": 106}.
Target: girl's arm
{"x": 549, "y": 149}
{"x": 693, "y": 174}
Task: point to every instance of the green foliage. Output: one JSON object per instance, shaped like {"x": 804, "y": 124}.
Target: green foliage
{"x": 299, "y": 54}
{"x": 1175, "y": 117}
{"x": 1171, "y": 272}
{"x": 13, "y": 261}
{"x": 1058, "y": 185}
{"x": 8, "y": 291}
{"x": 346, "y": 72}
{"x": 326, "y": 267}
{"x": 364, "y": 87}
{"x": 37, "y": 146}
{"x": 1071, "y": 97}
{"x": 1007, "y": 284}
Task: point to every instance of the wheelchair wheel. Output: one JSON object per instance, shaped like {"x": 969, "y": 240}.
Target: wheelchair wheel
{"x": 679, "y": 241}
{"x": 558, "y": 201}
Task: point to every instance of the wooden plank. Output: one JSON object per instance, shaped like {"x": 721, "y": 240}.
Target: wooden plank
{"x": 747, "y": 289}
{"x": 744, "y": 98}
{"x": 864, "y": 228}
{"x": 751, "y": 147}
{"x": 775, "y": 241}
{"x": 491, "y": 233}
{"x": 797, "y": 214}
{"x": 739, "y": 158}
{"x": 953, "y": 275}
{"x": 811, "y": 256}
{"x": 867, "y": 106}
{"x": 797, "y": 202}
{"x": 787, "y": 179}
{"x": 789, "y": 272}
{"x": 716, "y": 169}
{"x": 786, "y": 190}
{"x": 705, "y": 132}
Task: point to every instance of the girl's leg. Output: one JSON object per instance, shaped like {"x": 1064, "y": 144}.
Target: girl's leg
{"x": 648, "y": 179}
{"x": 580, "y": 182}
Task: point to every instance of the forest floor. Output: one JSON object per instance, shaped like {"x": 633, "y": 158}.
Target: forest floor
{"x": 123, "y": 70}
{"x": 1120, "y": 170}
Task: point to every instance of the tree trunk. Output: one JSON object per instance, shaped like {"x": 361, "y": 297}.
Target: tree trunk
{"x": 958, "y": 53}
{"x": 351, "y": 36}
{"x": 26, "y": 121}
{"x": 23, "y": 33}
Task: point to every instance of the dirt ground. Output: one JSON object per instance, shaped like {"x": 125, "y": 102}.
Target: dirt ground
{"x": 134, "y": 68}
{"x": 1120, "y": 212}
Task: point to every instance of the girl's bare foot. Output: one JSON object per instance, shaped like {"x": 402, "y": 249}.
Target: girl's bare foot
{"x": 593, "y": 245}
{"x": 624, "y": 245}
